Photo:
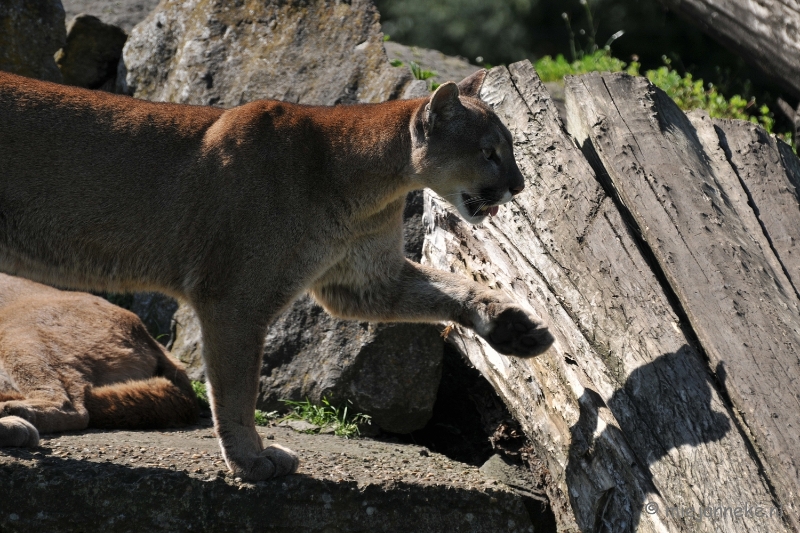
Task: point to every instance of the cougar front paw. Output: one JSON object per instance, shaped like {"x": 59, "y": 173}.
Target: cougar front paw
{"x": 274, "y": 461}
{"x": 515, "y": 332}
{"x": 16, "y": 431}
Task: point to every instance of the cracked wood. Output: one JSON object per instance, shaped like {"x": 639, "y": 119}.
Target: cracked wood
{"x": 689, "y": 205}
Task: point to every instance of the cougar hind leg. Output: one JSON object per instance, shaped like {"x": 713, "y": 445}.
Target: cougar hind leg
{"x": 153, "y": 403}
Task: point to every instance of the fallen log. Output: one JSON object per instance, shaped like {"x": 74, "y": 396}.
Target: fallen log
{"x": 623, "y": 409}
{"x": 685, "y": 197}
{"x": 766, "y": 33}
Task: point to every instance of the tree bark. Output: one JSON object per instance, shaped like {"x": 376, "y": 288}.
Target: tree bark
{"x": 623, "y": 409}
{"x": 766, "y": 33}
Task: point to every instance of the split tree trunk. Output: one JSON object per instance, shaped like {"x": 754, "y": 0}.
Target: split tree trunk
{"x": 765, "y": 33}
{"x": 635, "y": 427}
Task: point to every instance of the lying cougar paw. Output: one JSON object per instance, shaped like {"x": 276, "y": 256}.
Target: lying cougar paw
{"x": 274, "y": 461}
{"x": 16, "y": 431}
{"x": 515, "y": 332}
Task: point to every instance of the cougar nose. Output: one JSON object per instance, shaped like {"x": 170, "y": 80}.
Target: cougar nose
{"x": 516, "y": 190}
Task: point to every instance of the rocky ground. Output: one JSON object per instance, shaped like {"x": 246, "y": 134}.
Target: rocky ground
{"x": 177, "y": 481}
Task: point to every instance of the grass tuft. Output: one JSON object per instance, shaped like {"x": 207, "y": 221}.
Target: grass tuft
{"x": 420, "y": 73}
{"x": 202, "y": 395}
{"x": 344, "y": 424}
{"x": 550, "y": 69}
{"x": 263, "y": 419}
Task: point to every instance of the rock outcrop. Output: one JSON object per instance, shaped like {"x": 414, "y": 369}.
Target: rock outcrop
{"x": 226, "y": 54}
{"x": 31, "y": 31}
{"x": 442, "y": 67}
{"x": 388, "y": 371}
{"x": 90, "y": 56}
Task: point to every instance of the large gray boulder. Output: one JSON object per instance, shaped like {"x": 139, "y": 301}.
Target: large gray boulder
{"x": 90, "y": 56}
{"x": 388, "y": 371}
{"x": 31, "y": 31}
{"x": 223, "y": 53}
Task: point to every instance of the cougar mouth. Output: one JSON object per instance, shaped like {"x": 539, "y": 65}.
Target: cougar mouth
{"x": 477, "y": 207}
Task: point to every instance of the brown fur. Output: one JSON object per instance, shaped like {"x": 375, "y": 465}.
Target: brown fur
{"x": 240, "y": 211}
{"x": 70, "y": 360}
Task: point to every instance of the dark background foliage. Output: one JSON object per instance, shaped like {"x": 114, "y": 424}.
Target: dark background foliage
{"x": 504, "y": 31}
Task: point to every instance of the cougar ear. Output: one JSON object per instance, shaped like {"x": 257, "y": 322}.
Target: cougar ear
{"x": 442, "y": 104}
{"x": 471, "y": 85}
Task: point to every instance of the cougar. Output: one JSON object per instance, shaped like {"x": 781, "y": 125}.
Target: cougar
{"x": 71, "y": 360}
{"x": 239, "y": 211}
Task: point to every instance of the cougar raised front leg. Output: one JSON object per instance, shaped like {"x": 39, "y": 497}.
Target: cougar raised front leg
{"x": 400, "y": 290}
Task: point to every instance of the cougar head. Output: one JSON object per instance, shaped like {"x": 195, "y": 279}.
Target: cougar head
{"x": 463, "y": 151}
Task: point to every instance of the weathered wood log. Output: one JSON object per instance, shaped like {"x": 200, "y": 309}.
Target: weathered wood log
{"x": 759, "y": 166}
{"x": 766, "y": 33}
{"x": 686, "y": 199}
{"x": 623, "y": 409}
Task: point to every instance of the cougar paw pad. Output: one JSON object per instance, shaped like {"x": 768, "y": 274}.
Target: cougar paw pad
{"x": 515, "y": 332}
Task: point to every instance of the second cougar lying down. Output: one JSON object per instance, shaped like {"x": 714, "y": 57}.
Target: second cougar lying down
{"x": 70, "y": 360}
{"x": 240, "y": 211}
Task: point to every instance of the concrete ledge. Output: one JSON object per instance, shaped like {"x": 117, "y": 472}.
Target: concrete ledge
{"x": 175, "y": 481}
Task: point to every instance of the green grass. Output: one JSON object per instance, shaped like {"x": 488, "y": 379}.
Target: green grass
{"x": 201, "y": 393}
{"x": 687, "y": 92}
{"x": 263, "y": 419}
{"x": 344, "y": 424}
{"x": 420, "y": 73}
{"x": 550, "y": 69}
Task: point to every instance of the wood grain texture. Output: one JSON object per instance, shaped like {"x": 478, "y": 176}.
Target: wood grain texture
{"x": 756, "y": 159}
{"x": 623, "y": 409}
{"x": 765, "y": 33}
{"x": 689, "y": 206}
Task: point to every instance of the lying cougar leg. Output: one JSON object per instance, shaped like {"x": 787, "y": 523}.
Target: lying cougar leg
{"x": 48, "y": 415}
{"x": 232, "y": 354}
{"x": 409, "y": 292}
{"x": 42, "y": 398}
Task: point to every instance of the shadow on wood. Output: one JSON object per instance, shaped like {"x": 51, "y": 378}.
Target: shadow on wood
{"x": 645, "y": 388}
